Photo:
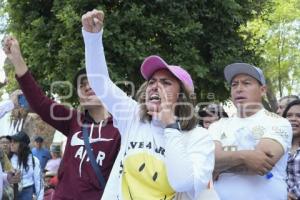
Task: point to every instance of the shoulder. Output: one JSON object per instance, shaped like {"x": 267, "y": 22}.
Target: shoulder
{"x": 198, "y": 140}
{"x": 46, "y": 150}
{"x": 197, "y": 134}
{"x": 271, "y": 115}
{"x": 275, "y": 120}
{"x": 220, "y": 124}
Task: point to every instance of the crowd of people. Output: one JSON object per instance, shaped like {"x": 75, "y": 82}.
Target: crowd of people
{"x": 22, "y": 170}
{"x": 153, "y": 147}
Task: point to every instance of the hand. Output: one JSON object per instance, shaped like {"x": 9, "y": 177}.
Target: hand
{"x": 165, "y": 113}
{"x": 215, "y": 175}
{"x": 258, "y": 162}
{"x": 291, "y": 196}
{"x": 14, "y": 177}
{"x": 92, "y": 21}
{"x": 12, "y": 50}
{"x": 14, "y": 97}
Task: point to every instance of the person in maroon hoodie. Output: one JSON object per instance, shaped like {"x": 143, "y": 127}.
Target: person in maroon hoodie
{"x": 77, "y": 178}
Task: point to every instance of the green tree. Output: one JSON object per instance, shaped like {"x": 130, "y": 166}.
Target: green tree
{"x": 200, "y": 35}
{"x": 276, "y": 38}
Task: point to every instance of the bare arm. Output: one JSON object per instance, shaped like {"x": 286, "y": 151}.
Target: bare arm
{"x": 54, "y": 114}
{"x": 226, "y": 160}
{"x": 252, "y": 161}
{"x": 272, "y": 148}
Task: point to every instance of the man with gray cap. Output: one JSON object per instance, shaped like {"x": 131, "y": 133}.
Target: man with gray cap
{"x": 251, "y": 147}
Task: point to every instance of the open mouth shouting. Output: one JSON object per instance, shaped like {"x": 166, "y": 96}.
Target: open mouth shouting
{"x": 154, "y": 98}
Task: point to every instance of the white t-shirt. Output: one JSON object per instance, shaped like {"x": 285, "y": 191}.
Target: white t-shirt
{"x": 53, "y": 165}
{"x": 153, "y": 162}
{"x": 244, "y": 134}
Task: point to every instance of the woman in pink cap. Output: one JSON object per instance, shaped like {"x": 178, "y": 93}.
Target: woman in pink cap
{"x": 164, "y": 155}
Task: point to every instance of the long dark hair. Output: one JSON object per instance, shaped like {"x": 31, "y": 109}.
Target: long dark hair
{"x": 23, "y": 154}
{"x": 288, "y": 107}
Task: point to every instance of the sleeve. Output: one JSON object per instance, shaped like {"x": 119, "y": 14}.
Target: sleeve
{"x": 38, "y": 180}
{"x": 57, "y": 115}
{"x": 189, "y": 163}
{"x": 6, "y": 106}
{"x": 281, "y": 132}
{"x": 5, "y": 181}
{"x": 295, "y": 190}
{"x": 113, "y": 98}
{"x": 215, "y": 130}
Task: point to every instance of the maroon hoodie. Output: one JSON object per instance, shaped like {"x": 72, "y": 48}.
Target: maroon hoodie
{"x": 77, "y": 179}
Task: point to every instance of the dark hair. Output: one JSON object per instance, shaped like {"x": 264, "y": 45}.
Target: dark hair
{"x": 80, "y": 74}
{"x": 293, "y": 97}
{"x": 23, "y": 154}
{"x": 39, "y": 139}
{"x": 210, "y": 114}
{"x": 6, "y": 137}
{"x": 212, "y": 110}
{"x": 288, "y": 107}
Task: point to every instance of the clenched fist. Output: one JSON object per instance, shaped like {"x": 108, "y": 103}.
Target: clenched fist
{"x": 92, "y": 21}
{"x": 12, "y": 50}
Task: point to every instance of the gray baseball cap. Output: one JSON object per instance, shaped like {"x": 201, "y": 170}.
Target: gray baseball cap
{"x": 234, "y": 69}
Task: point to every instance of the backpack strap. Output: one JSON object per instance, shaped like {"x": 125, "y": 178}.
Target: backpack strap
{"x": 92, "y": 156}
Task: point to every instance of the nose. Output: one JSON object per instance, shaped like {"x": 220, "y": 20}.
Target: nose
{"x": 154, "y": 86}
{"x": 292, "y": 118}
{"x": 239, "y": 88}
{"x": 87, "y": 87}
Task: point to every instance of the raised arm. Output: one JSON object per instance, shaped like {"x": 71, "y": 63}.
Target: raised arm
{"x": 115, "y": 100}
{"x": 6, "y": 106}
{"x": 51, "y": 112}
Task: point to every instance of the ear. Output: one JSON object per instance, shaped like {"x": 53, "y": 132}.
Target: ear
{"x": 263, "y": 90}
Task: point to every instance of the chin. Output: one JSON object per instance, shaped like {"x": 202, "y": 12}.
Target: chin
{"x": 90, "y": 104}
{"x": 240, "y": 105}
{"x": 296, "y": 131}
{"x": 152, "y": 106}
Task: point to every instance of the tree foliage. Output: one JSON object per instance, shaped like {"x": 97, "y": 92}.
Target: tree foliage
{"x": 276, "y": 38}
{"x": 200, "y": 35}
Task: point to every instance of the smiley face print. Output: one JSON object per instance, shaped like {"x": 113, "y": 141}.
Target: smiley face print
{"x": 145, "y": 177}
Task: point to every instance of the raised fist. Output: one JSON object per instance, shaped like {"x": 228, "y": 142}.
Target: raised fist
{"x": 11, "y": 48}
{"x": 92, "y": 21}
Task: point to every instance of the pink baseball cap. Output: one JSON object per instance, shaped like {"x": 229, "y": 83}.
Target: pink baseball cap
{"x": 154, "y": 63}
